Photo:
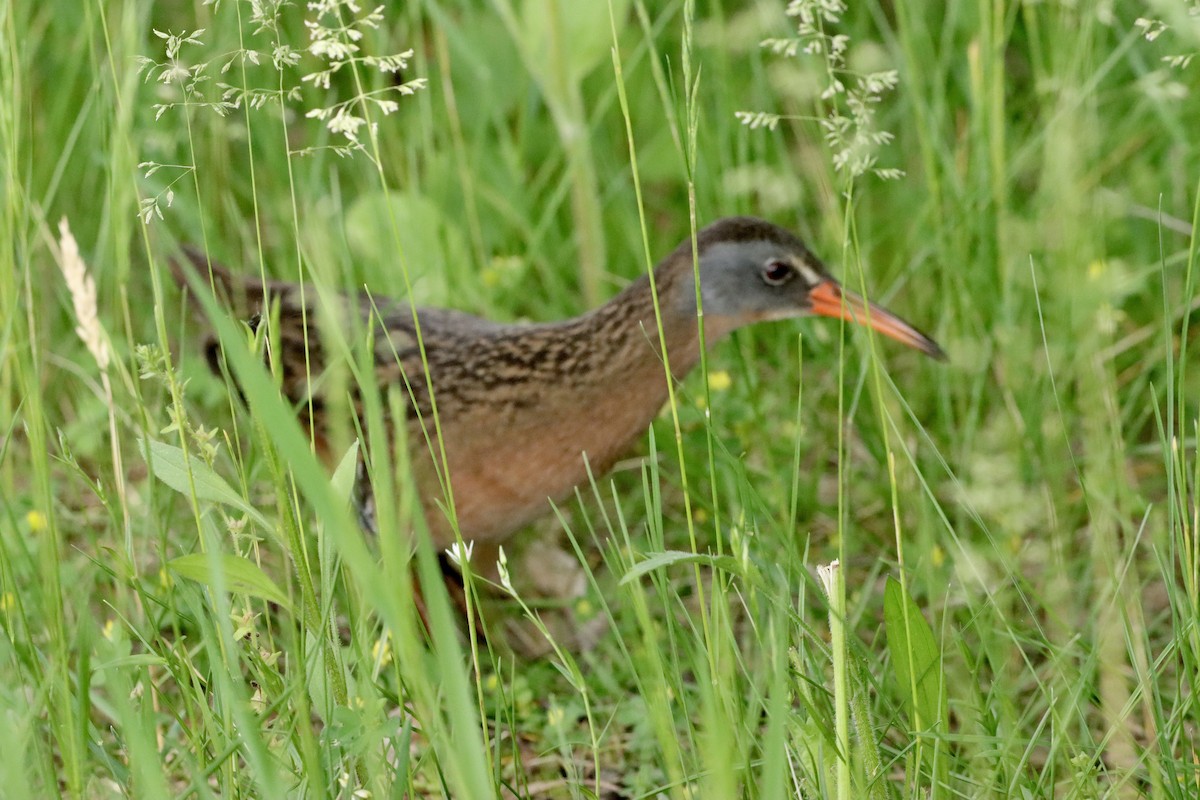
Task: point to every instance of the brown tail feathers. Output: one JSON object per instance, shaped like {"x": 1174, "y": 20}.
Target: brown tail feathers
{"x": 242, "y": 295}
{"x": 299, "y": 352}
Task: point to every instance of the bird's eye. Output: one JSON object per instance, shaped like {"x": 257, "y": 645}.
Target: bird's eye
{"x": 777, "y": 273}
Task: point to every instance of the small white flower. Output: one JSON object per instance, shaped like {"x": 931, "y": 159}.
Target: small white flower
{"x": 502, "y": 570}
{"x": 1150, "y": 29}
{"x": 757, "y": 119}
{"x": 319, "y": 80}
{"x": 460, "y": 552}
{"x": 828, "y": 573}
{"x": 324, "y": 7}
{"x": 332, "y": 49}
{"x": 345, "y": 123}
{"x": 412, "y": 86}
{"x": 284, "y": 56}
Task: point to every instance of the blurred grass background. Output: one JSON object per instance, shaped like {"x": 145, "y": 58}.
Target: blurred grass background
{"x": 1041, "y": 512}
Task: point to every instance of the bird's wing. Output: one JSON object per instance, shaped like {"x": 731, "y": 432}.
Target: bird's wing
{"x": 450, "y": 339}
{"x": 248, "y": 298}
{"x": 243, "y": 295}
{"x": 301, "y": 344}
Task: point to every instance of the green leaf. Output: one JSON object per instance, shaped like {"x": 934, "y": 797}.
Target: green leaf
{"x": 139, "y": 660}
{"x": 432, "y": 244}
{"x": 238, "y": 576}
{"x": 170, "y": 465}
{"x": 670, "y": 557}
{"x": 917, "y": 664}
{"x": 549, "y": 24}
{"x": 346, "y": 472}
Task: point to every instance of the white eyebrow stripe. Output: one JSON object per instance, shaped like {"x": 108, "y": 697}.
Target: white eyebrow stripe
{"x": 808, "y": 273}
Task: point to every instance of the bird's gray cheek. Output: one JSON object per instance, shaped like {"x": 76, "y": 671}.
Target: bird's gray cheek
{"x": 687, "y": 299}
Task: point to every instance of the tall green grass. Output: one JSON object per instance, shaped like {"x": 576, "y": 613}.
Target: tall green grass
{"x": 189, "y": 608}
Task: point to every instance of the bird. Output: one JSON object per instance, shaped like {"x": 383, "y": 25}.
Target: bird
{"x": 529, "y": 411}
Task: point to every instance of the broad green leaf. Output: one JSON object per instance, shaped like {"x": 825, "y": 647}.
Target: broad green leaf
{"x": 433, "y": 246}
{"x": 346, "y": 472}
{"x": 170, "y": 465}
{"x": 568, "y": 36}
{"x": 239, "y": 576}
{"x": 916, "y": 661}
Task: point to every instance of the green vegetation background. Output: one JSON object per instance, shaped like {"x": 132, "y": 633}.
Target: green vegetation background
{"x": 238, "y": 638}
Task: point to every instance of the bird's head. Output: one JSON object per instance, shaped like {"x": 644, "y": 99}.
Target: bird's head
{"x": 754, "y": 271}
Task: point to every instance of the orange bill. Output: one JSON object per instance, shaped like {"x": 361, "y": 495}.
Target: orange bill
{"x": 829, "y": 299}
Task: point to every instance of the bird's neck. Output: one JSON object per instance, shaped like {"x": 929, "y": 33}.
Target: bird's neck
{"x": 631, "y": 321}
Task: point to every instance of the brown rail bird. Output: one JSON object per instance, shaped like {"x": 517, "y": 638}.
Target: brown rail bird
{"x": 526, "y": 409}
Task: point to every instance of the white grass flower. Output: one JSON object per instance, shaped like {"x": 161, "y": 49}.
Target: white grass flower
{"x": 788, "y": 48}
{"x": 412, "y": 87}
{"x": 176, "y": 40}
{"x": 283, "y": 55}
{"x": 847, "y": 98}
{"x": 320, "y": 80}
{"x": 828, "y": 573}
{"x": 334, "y": 31}
{"x": 757, "y": 119}
{"x": 345, "y": 123}
{"x": 1150, "y": 29}
{"x": 83, "y": 295}
{"x": 89, "y": 329}
{"x": 460, "y": 552}
{"x": 875, "y": 84}
{"x": 328, "y": 47}
{"x": 323, "y": 7}
{"x": 392, "y": 63}
{"x": 502, "y": 571}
